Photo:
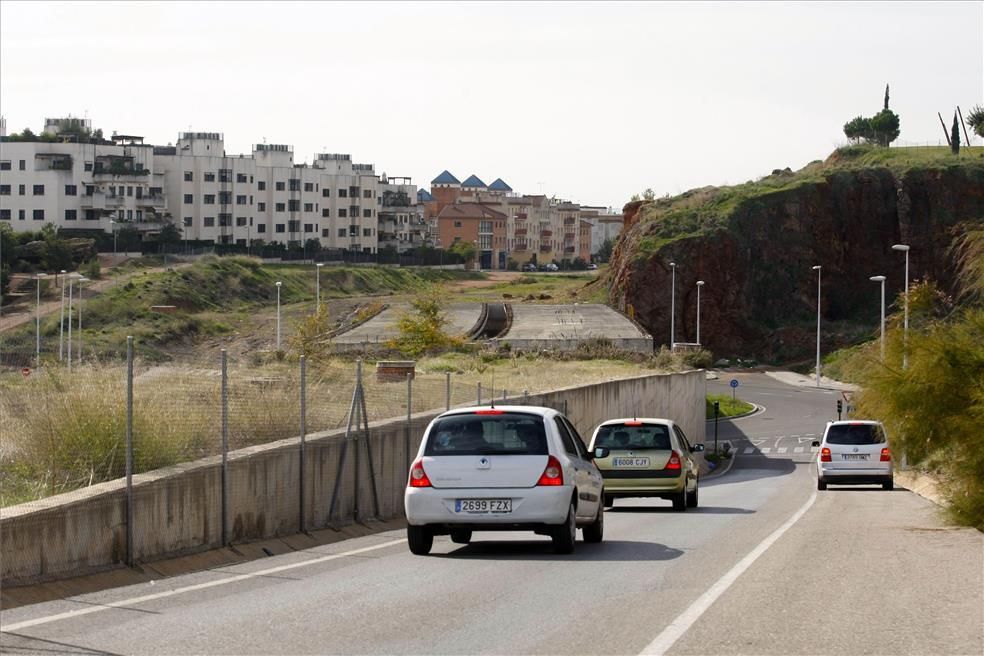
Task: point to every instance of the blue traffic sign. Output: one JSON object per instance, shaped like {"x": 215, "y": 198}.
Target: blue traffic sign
{"x": 734, "y": 382}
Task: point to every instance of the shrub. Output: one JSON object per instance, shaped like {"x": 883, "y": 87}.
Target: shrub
{"x": 422, "y": 329}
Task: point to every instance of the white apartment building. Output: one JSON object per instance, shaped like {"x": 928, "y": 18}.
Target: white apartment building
{"x": 401, "y": 217}
{"x": 606, "y": 223}
{"x": 194, "y": 184}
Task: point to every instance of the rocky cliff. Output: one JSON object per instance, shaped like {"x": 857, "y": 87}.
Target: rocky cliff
{"x": 754, "y": 245}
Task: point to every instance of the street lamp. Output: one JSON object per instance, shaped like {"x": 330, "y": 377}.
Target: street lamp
{"x": 672, "y": 304}
{"x": 37, "y": 321}
{"x": 61, "y": 322}
{"x": 318, "y": 285}
{"x": 905, "y": 330}
{"x": 817, "y": 268}
{"x": 881, "y": 279}
{"x": 278, "y": 314}
{"x": 700, "y": 283}
{"x": 71, "y": 279}
{"x": 81, "y": 280}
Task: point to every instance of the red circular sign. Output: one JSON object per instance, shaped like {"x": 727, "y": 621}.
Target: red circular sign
{"x": 26, "y": 371}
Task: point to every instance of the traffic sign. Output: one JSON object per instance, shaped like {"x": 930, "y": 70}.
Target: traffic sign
{"x": 26, "y": 371}
{"x": 734, "y": 382}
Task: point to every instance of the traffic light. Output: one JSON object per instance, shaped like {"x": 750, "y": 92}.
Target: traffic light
{"x": 840, "y": 407}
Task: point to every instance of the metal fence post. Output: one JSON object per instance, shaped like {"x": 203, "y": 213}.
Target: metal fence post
{"x": 129, "y": 451}
{"x": 479, "y": 402}
{"x": 526, "y": 397}
{"x": 301, "y": 522}
{"x": 406, "y": 446}
{"x": 225, "y": 451}
{"x": 447, "y": 390}
{"x": 565, "y": 407}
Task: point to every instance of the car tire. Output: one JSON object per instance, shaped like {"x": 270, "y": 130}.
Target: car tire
{"x": 821, "y": 484}
{"x": 595, "y": 532}
{"x": 461, "y": 536}
{"x": 420, "y": 539}
{"x": 888, "y": 485}
{"x": 692, "y": 496}
{"x": 565, "y": 534}
{"x": 680, "y": 501}
{"x": 609, "y": 500}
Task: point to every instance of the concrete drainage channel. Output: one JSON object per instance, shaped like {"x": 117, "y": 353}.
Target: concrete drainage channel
{"x": 494, "y": 321}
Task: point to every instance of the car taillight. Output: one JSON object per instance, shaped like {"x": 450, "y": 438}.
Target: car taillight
{"x": 825, "y": 455}
{"x": 553, "y": 473}
{"x": 418, "y": 477}
{"x": 886, "y": 455}
{"x": 674, "y": 461}
{"x": 491, "y": 411}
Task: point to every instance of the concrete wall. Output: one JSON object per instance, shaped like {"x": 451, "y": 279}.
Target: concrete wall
{"x": 178, "y": 510}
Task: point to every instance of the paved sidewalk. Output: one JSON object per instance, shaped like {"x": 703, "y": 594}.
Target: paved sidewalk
{"x": 801, "y": 380}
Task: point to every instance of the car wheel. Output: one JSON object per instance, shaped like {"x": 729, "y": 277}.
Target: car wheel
{"x": 595, "y": 532}
{"x": 609, "y": 500}
{"x": 565, "y": 534}
{"x": 461, "y": 536}
{"x": 821, "y": 484}
{"x": 692, "y": 496}
{"x": 680, "y": 501}
{"x": 888, "y": 485}
{"x": 421, "y": 539}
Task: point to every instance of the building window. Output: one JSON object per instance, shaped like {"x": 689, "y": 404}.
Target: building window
{"x": 129, "y": 191}
{"x": 341, "y": 232}
{"x": 188, "y": 199}
{"x": 261, "y": 207}
{"x": 71, "y": 215}
{"x": 342, "y": 193}
{"x": 21, "y": 189}
{"x": 88, "y": 166}
{"x": 225, "y": 198}
{"x": 189, "y": 176}
{"x": 119, "y": 215}
{"x": 308, "y": 186}
{"x": 324, "y": 212}
{"x": 260, "y": 185}
{"x": 129, "y": 215}
{"x": 295, "y": 184}
{"x": 353, "y": 192}
{"x": 325, "y": 192}
{"x": 209, "y": 177}
{"x": 240, "y": 177}
{"x": 5, "y": 165}
{"x": 279, "y": 207}
{"x": 39, "y": 215}
{"x": 89, "y": 190}
{"x": 71, "y": 190}
{"x": 22, "y": 165}
{"x": 20, "y": 215}
{"x": 139, "y": 192}
{"x": 209, "y": 199}
{"x": 139, "y": 215}
{"x": 342, "y": 213}
{"x": 367, "y": 193}
{"x": 280, "y": 186}
{"x": 240, "y": 200}
{"x": 353, "y": 231}
{"x": 209, "y": 222}
{"x": 225, "y": 220}
{"x": 4, "y": 190}
{"x": 294, "y": 205}
{"x": 294, "y": 225}
{"x": 308, "y": 227}
{"x": 39, "y": 190}
{"x": 241, "y": 221}
{"x": 366, "y": 214}
{"x": 261, "y": 228}
{"x": 225, "y": 175}
{"x": 5, "y": 214}
{"x": 279, "y": 227}
{"x": 326, "y": 232}
{"x": 457, "y": 224}
{"x": 367, "y": 232}
{"x": 308, "y": 207}
{"x": 187, "y": 221}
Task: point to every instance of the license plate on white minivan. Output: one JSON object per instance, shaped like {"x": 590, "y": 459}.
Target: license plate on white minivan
{"x": 483, "y": 505}
{"x": 854, "y": 456}
{"x": 630, "y": 462}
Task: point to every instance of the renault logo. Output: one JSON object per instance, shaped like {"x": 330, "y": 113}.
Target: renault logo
{"x": 484, "y": 463}
{"x": 855, "y": 449}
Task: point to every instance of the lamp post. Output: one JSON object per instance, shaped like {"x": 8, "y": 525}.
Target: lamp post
{"x": 61, "y": 323}
{"x": 278, "y": 314}
{"x": 317, "y": 286}
{"x": 672, "y": 304}
{"x": 71, "y": 279}
{"x": 881, "y": 279}
{"x": 905, "y": 326}
{"x": 817, "y": 268}
{"x": 37, "y": 321}
{"x": 700, "y": 283}
{"x": 81, "y": 280}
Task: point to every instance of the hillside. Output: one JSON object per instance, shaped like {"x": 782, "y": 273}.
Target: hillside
{"x": 755, "y": 244}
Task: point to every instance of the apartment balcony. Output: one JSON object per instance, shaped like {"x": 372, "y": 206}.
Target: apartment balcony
{"x": 569, "y": 249}
{"x": 544, "y": 248}
{"x": 546, "y": 233}
{"x": 570, "y": 221}
{"x": 152, "y": 202}
{"x": 521, "y": 217}
{"x": 520, "y": 232}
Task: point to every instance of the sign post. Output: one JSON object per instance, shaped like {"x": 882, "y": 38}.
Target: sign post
{"x": 717, "y": 407}
{"x": 734, "y": 386}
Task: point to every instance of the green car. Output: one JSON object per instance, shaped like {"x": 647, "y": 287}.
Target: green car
{"x": 647, "y": 458}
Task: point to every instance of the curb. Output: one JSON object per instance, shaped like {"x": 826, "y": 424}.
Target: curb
{"x": 756, "y": 410}
{"x": 721, "y": 471}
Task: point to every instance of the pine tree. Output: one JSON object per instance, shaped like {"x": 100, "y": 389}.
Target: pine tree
{"x": 955, "y": 136}
{"x": 886, "y": 97}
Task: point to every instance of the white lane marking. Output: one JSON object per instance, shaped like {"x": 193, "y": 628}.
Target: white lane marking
{"x": 749, "y": 449}
{"x": 798, "y": 449}
{"x": 782, "y": 449}
{"x": 686, "y": 619}
{"x": 766, "y": 449}
{"x": 191, "y": 588}
{"x": 794, "y": 436}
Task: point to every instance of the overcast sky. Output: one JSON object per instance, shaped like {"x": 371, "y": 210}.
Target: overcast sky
{"x": 589, "y": 102}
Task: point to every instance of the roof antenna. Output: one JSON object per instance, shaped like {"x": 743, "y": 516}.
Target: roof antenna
{"x": 492, "y": 391}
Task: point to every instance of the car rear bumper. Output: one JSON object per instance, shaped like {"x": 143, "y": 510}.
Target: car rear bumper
{"x": 531, "y": 507}
{"x": 617, "y": 484}
{"x": 858, "y": 475}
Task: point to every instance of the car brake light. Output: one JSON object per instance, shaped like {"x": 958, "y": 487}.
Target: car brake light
{"x": 674, "y": 461}
{"x": 488, "y": 412}
{"x": 553, "y": 473}
{"x": 418, "y": 477}
{"x": 825, "y": 455}
{"x": 632, "y": 423}
{"x": 886, "y": 455}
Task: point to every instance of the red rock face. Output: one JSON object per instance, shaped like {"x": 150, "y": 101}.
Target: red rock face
{"x": 760, "y": 292}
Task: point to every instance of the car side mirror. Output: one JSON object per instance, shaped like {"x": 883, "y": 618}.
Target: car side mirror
{"x": 696, "y": 447}
{"x": 601, "y": 452}
{"x": 815, "y": 443}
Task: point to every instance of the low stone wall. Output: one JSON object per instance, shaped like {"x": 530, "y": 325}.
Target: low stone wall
{"x": 178, "y": 510}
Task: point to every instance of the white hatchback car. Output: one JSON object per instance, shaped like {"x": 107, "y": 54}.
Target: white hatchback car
{"x": 854, "y": 452}
{"x": 509, "y": 468}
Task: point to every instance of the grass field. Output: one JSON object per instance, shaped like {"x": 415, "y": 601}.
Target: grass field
{"x": 544, "y": 288}
{"x": 727, "y": 407}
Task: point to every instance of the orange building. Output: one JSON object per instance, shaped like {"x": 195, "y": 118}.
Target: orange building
{"x": 478, "y": 224}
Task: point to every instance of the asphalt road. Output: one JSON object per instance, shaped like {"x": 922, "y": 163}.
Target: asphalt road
{"x": 765, "y": 565}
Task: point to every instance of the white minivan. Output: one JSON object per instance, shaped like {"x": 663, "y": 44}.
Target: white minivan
{"x": 854, "y": 452}
{"x": 509, "y": 468}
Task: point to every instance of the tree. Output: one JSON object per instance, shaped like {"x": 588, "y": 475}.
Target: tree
{"x": 975, "y": 117}
{"x": 422, "y": 328}
{"x": 886, "y": 97}
{"x": 649, "y": 194}
{"x": 605, "y": 250}
{"x": 466, "y": 250}
{"x": 857, "y": 129}
{"x": 310, "y": 335}
{"x": 885, "y": 127}
{"x": 955, "y": 136}
{"x": 170, "y": 234}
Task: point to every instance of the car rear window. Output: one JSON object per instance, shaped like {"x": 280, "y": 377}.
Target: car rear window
{"x": 487, "y": 434}
{"x": 648, "y": 436}
{"x": 855, "y": 434}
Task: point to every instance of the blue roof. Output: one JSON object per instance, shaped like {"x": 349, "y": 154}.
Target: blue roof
{"x": 473, "y": 181}
{"x": 499, "y": 185}
{"x": 445, "y": 178}
{"x": 424, "y": 196}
